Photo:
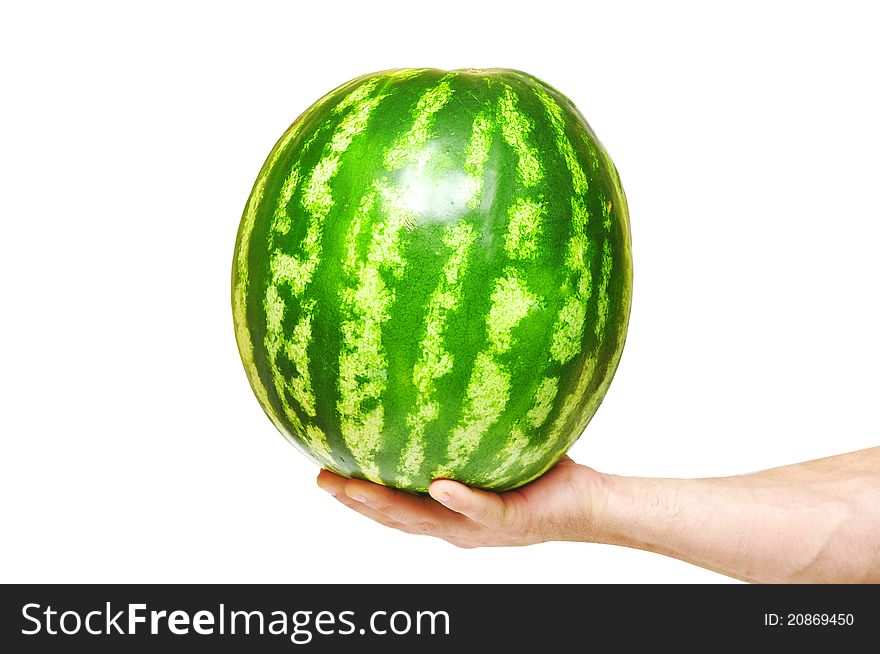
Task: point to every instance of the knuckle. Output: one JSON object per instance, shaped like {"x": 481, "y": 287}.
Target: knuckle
{"x": 344, "y": 500}
{"x": 381, "y": 507}
{"x": 485, "y": 515}
{"x": 392, "y": 524}
{"x": 511, "y": 518}
{"x": 409, "y": 529}
{"x": 424, "y": 527}
{"x": 461, "y": 544}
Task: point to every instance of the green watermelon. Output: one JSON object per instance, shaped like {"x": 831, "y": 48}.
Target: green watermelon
{"x": 432, "y": 278}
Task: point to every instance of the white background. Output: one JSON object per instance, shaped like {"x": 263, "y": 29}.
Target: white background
{"x": 132, "y": 448}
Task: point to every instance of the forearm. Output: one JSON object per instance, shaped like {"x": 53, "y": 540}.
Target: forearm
{"x": 813, "y": 522}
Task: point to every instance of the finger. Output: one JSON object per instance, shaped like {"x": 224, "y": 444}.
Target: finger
{"x": 413, "y": 510}
{"x": 330, "y": 482}
{"x": 372, "y": 514}
{"x": 478, "y": 505}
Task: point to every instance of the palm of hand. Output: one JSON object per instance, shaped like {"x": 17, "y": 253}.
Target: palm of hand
{"x": 557, "y": 506}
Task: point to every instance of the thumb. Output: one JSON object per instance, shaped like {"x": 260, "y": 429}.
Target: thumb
{"x": 478, "y": 505}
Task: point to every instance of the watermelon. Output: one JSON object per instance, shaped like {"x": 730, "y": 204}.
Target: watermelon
{"x": 432, "y": 278}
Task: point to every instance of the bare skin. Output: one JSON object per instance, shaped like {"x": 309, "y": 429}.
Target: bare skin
{"x": 817, "y": 521}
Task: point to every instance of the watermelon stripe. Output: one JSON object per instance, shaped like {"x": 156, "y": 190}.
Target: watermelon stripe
{"x": 401, "y": 74}
{"x": 318, "y": 197}
{"x": 508, "y": 459}
{"x": 512, "y": 454}
{"x": 358, "y": 96}
{"x": 239, "y": 298}
{"x": 366, "y": 207}
{"x": 274, "y": 341}
{"x": 412, "y": 142}
{"x": 362, "y": 362}
{"x": 476, "y": 155}
{"x": 242, "y": 286}
{"x": 568, "y": 328}
{"x": 557, "y": 119}
{"x": 281, "y": 218}
{"x": 568, "y": 332}
{"x": 544, "y": 398}
{"x": 602, "y": 305}
{"x": 241, "y": 277}
{"x": 586, "y": 377}
{"x": 488, "y": 390}
{"x": 515, "y": 127}
{"x": 524, "y": 220}
{"x": 296, "y": 271}
{"x": 435, "y": 361}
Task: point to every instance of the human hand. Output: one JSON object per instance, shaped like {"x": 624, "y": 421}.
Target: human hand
{"x": 563, "y": 504}
{"x": 809, "y": 522}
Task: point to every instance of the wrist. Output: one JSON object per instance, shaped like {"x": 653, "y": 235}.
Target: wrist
{"x": 610, "y": 510}
{"x": 598, "y": 506}
{"x": 632, "y": 510}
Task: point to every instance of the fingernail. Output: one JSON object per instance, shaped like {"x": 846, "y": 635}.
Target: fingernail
{"x": 329, "y": 490}
{"x": 443, "y": 498}
{"x": 359, "y": 498}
